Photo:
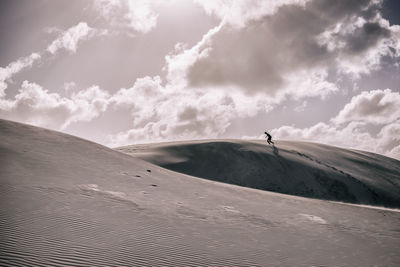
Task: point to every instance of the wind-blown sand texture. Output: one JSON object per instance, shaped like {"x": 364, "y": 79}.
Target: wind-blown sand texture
{"x": 66, "y": 201}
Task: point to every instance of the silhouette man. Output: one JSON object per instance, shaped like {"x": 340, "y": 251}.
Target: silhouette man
{"x": 269, "y": 138}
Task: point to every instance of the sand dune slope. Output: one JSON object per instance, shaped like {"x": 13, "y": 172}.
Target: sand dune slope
{"x": 296, "y": 168}
{"x": 65, "y": 201}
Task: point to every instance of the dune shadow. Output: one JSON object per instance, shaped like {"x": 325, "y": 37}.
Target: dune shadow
{"x": 299, "y": 169}
{"x": 276, "y": 150}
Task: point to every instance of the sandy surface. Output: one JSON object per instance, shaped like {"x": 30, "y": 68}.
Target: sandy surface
{"x": 295, "y": 168}
{"x": 69, "y": 202}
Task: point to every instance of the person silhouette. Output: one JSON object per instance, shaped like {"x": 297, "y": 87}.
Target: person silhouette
{"x": 269, "y": 138}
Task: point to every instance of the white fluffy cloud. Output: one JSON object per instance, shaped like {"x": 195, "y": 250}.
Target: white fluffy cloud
{"x": 172, "y": 113}
{"x": 350, "y": 136}
{"x": 389, "y": 140}
{"x": 158, "y": 112}
{"x": 376, "y": 106}
{"x": 69, "y": 39}
{"x": 134, "y": 14}
{"x": 239, "y": 12}
{"x": 13, "y": 68}
{"x": 161, "y": 113}
{"x": 38, "y": 106}
{"x": 309, "y": 83}
{"x": 350, "y": 127}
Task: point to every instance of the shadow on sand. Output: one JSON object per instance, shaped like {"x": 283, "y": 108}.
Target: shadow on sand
{"x": 276, "y": 150}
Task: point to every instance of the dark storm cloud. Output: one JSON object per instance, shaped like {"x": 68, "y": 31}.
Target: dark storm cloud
{"x": 365, "y": 37}
{"x": 260, "y": 55}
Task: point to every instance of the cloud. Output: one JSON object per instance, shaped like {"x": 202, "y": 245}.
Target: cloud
{"x": 354, "y": 135}
{"x": 170, "y": 112}
{"x": 69, "y": 39}
{"x": 137, "y": 15}
{"x": 166, "y": 113}
{"x": 265, "y": 50}
{"x": 366, "y": 36}
{"x": 389, "y": 140}
{"x": 261, "y": 53}
{"x": 376, "y": 106}
{"x": 15, "y": 67}
{"x": 301, "y": 107}
{"x": 38, "y": 106}
{"x": 350, "y": 136}
{"x": 309, "y": 83}
{"x": 179, "y": 61}
{"x": 240, "y": 12}
{"x": 160, "y": 113}
{"x": 361, "y": 45}
{"x": 350, "y": 128}
{"x": 157, "y": 112}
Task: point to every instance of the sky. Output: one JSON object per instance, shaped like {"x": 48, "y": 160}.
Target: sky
{"x": 122, "y": 72}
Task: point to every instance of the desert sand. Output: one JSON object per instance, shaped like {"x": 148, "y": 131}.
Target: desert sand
{"x": 295, "y": 168}
{"x": 66, "y": 201}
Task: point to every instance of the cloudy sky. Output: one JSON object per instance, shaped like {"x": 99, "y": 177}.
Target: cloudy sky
{"x": 125, "y": 72}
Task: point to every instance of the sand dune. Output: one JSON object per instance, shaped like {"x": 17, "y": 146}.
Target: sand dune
{"x": 296, "y": 168}
{"x": 66, "y": 201}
